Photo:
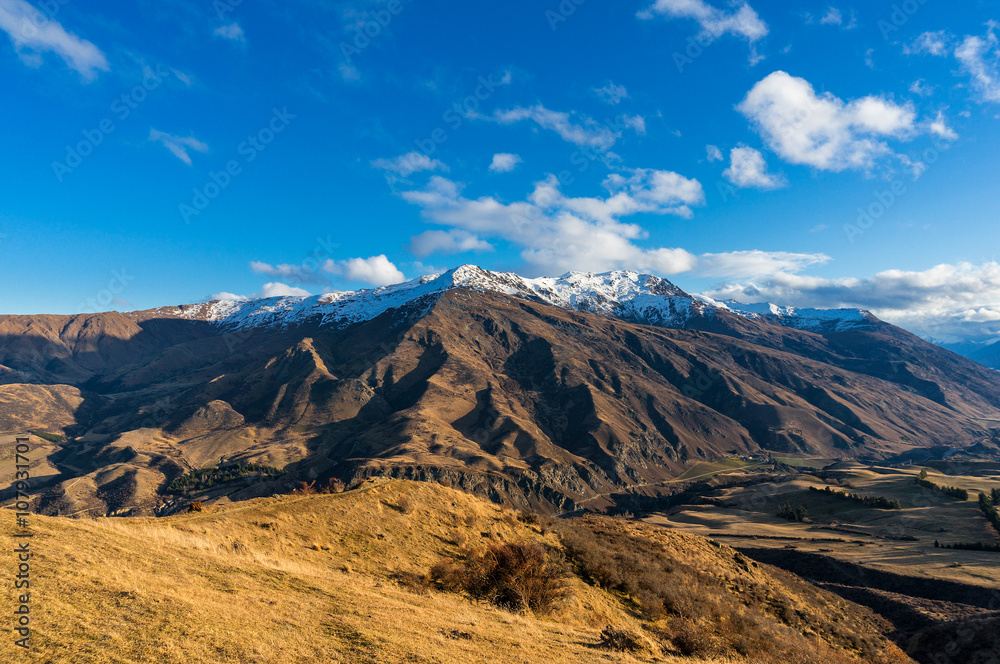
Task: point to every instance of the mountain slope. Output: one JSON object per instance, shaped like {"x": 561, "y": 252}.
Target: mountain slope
{"x": 341, "y": 578}
{"x": 475, "y": 379}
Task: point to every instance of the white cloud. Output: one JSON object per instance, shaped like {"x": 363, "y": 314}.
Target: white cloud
{"x": 231, "y": 31}
{"x": 34, "y": 33}
{"x": 939, "y": 127}
{"x": 504, "y": 162}
{"x": 300, "y": 274}
{"x": 636, "y": 123}
{"x": 228, "y": 297}
{"x": 409, "y": 163}
{"x": 611, "y": 93}
{"x": 278, "y": 289}
{"x": 714, "y": 153}
{"x": 979, "y": 57}
{"x": 375, "y": 271}
{"x": 932, "y": 43}
{"x": 823, "y": 131}
{"x": 832, "y": 17}
{"x": 584, "y": 132}
{"x": 960, "y": 300}
{"x": 178, "y": 145}
{"x": 922, "y": 88}
{"x": 747, "y": 168}
{"x": 447, "y": 242}
{"x": 743, "y": 21}
{"x": 557, "y": 233}
{"x": 756, "y": 263}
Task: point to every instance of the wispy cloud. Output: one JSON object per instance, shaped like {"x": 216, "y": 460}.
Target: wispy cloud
{"x": 742, "y": 21}
{"x": 408, "y": 164}
{"x": 33, "y": 34}
{"x": 231, "y": 31}
{"x": 178, "y": 145}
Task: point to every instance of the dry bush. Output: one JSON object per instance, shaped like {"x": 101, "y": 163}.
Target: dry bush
{"x": 622, "y": 640}
{"x": 702, "y": 609}
{"x": 196, "y": 506}
{"x": 514, "y": 576}
{"x": 406, "y": 504}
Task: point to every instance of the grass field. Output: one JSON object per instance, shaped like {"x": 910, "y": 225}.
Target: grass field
{"x": 875, "y": 537}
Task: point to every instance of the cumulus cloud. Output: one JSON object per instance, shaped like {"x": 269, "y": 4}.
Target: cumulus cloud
{"x": 959, "y": 301}
{"x": 447, "y": 242}
{"x": 230, "y": 31}
{"x": 742, "y": 21}
{"x": 278, "y": 289}
{"x": 611, "y": 93}
{"x": 33, "y": 33}
{"x": 375, "y": 271}
{"x": 979, "y": 58}
{"x": 713, "y": 153}
{"x": 504, "y": 162}
{"x": 823, "y": 131}
{"x": 747, "y": 168}
{"x": 557, "y": 233}
{"x": 408, "y": 164}
{"x": 178, "y": 145}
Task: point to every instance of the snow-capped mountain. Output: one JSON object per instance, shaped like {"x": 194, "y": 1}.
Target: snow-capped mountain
{"x": 813, "y": 320}
{"x": 628, "y": 295}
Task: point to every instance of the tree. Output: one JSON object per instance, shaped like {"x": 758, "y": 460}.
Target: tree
{"x": 995, "y": 496}
{"x": 801, "y": 513}
{"x": 923, "y": 474}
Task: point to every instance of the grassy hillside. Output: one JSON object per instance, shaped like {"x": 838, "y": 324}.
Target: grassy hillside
{"x": 345, "y": 578}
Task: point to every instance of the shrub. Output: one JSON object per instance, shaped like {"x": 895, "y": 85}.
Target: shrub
{"x": 622, "y": 640}
{"x": 952, "y": 491}
{"x": 196, "y": 506}
{"x": 209, "y": 477}
{"x": 878, "y": 502}
{"x": 786, "y": 511}
{"x": 514, "y": 576}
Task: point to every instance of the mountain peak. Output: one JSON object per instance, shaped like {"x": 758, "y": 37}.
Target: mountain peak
{"x": 625, "y": 294}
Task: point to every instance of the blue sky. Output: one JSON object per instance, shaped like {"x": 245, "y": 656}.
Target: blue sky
{"x": 809, "y": 153}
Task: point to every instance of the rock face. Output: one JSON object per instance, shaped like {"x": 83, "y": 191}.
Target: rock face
{"x": 534, "y": 391}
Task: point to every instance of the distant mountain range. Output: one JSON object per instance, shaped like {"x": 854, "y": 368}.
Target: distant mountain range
{"x": 536, "y": 391}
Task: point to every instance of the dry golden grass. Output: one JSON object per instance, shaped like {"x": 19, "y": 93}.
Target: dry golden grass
{"x": 298, "y": 579}
{"x": 926, "y": 515}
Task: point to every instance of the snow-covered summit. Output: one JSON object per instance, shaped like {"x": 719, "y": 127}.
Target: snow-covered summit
{"x": 813, "y": 320}
{"x": 632, "y": 296}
